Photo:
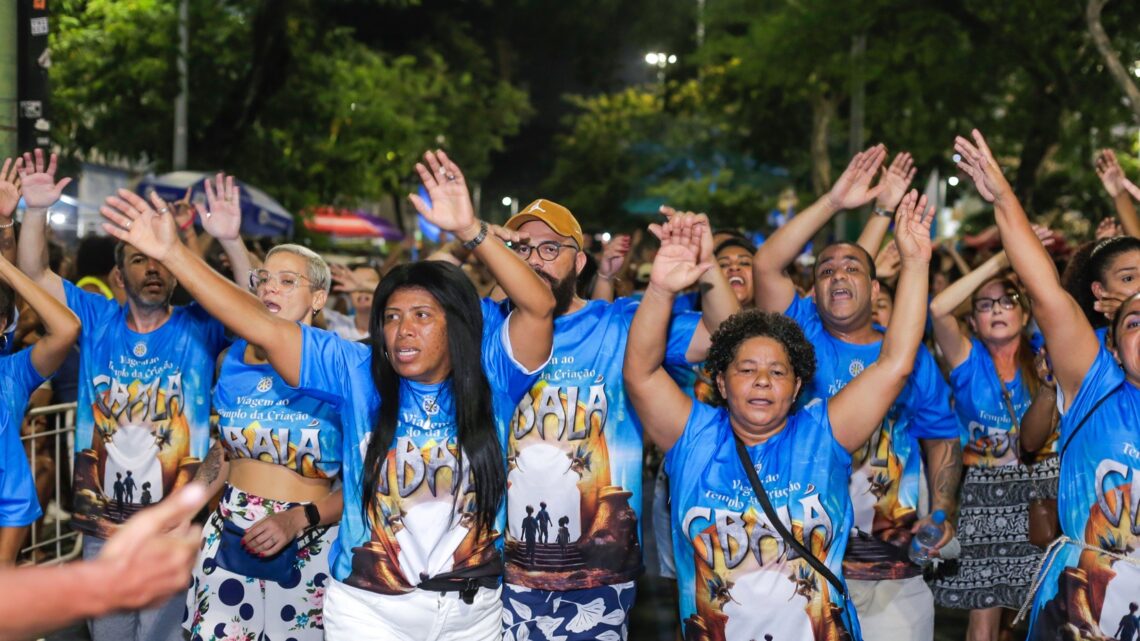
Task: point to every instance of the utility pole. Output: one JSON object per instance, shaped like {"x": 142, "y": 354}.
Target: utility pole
{"x": 181, "y": 103}
{"x": 9, "y": 84}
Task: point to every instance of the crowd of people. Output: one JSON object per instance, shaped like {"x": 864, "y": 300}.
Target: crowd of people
{"x": 454, "y": 448}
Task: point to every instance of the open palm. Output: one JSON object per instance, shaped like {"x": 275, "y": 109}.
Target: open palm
{"x": 1109, "y": 171}
{"x": 135, "y": 222}
{"x": 221, "y": 216}
{"x": 37, "y": 180}
{"x": 9, "y": 188}
{"x": 451, "y": 209}
{"x": 853, "y": 189}
{"x": 978, "y": 162}
{"x": 912, "y": 228}
{"x": 895, "y": 181}
{"x": 676, "y": 265}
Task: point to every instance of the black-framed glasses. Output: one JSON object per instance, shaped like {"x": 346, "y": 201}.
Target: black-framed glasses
{"x": 547, "y": 250}
{"x": 286, "y": 281}
{"x": 986, "y": 305}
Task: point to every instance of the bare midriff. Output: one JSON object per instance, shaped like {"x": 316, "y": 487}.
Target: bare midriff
{"x": 276, "y": 482}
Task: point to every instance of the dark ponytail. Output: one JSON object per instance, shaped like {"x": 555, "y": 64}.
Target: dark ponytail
{"x": 476, "y": 433}
{"x": 1088, "y": 265}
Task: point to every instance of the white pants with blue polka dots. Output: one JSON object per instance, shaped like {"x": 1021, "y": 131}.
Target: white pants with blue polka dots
{"x": 223, "y": 606}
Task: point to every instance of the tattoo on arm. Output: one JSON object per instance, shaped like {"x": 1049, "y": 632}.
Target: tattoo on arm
{"x": 212, "y": 466}
{"x": 944, "y": 465}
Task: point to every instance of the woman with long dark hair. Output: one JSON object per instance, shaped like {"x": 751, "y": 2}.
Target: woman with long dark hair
{"x": 994, "y": 378}
{"x": 424, "y": 407}
{"x": 1100, "y": 275}
{"x": 1088, "y": 580}
{"x": 740, "y": 574}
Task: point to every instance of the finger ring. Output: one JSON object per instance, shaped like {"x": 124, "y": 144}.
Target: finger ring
{"x": 209, "y": 213}
{"x": 164, "y": 210}
{"x": 129, "y": 223}
{"x": 450, "y": 176}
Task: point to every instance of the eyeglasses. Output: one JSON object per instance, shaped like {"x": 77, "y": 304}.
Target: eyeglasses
{"x": 286, "y": 281}
{"x": 547, "y": 250}
{"x": 986, "y": 305}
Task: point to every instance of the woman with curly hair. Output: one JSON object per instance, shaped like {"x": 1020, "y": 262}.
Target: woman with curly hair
{"x": 740, "y": 578}
{"x": 1101, "y": 275}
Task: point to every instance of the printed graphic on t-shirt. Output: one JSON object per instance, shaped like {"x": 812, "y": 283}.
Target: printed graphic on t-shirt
{"x": 1096, "y": 590}
{"x": 138, "y": 448}
{"x": 423, "y": 524}
{"x": 738, "y": 579}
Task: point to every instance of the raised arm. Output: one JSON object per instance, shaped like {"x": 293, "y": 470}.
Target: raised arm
{"x": 41, "y": 191}
{"x": 859, "y": 407}
{"x": 9, "y": 198}
{"x": 61, "y": 327}
{"x": 134, "y": 221}
{"x": 532, "y": 321}
{"x": 1112, "y": 177}
{"x": 662, "y": 407}
{"x": 1041, "y": 417}
{"x": 1059, "y": 316}
{"x": 775, "y": 290}
{"x": 895, "y": 182}
{"x": 954, "y": 342}
{"x": 614, "y": 255}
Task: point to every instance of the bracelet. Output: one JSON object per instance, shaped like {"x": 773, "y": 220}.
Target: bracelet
{"x": 189, "y": 223}
{"x": 11, "y": 223}
{"x": 470, "y": 245}
{"x": 879, "y": 211}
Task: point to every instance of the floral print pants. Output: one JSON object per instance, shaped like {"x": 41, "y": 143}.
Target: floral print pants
{"x": 223, "y": 606}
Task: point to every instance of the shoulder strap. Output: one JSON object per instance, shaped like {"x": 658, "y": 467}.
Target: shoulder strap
{"x": 766, "y": 504}
{"x": 1088, "y": 415}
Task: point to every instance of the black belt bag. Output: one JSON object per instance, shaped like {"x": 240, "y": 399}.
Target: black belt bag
{"x": 466, "y": 582}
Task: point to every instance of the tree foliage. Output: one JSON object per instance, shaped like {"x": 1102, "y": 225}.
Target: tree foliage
{"x": 281, "y": 94}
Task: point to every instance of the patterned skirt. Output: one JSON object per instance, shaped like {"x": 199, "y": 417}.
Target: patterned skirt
{"x": 997, "y": 563}
{"x": 223, "y": 606}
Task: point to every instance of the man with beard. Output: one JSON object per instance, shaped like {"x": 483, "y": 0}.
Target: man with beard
{"x": 575, "y": 444}
{"x": 145, "y": 373}
{"x": 886, "y": 587}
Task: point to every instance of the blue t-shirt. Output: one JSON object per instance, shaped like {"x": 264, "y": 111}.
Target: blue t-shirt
{"x": 419, "y": 529}
{"x": 887, "y": 470}
{"x": 576, "y": 446}
{"x": 1100, "y": 472}
{"x": 736, "y": 578}
{"x": 261, "y": 417}
{"x": 19, "y": 505}
{"x": 989, "y": 436}
{"x": 143, "y": 415}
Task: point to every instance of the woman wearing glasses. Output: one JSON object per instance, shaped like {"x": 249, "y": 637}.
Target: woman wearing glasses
{"x": 998, "y": 397}
{"x": 424, "y": 406}
{"x": 264, "y": 561}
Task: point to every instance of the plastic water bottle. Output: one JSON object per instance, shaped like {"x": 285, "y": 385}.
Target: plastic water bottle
{"x": 926, "y": 538}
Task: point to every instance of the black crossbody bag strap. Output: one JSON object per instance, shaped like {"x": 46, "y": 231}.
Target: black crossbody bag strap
{"x": 766, "y": 504}
{"x": 1088, "y": 415}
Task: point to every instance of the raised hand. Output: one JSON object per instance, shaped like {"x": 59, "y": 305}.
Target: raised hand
{"x": 853, "y": 189}
{"x": 1131, "y": 188}
{"x": 151, "y": 230}
{"x": 451, "y": 209}
{"x": 694, "y": 218}
{"x": 38, "y": 182}
{"x": 978, "y": 162}
{"x": 676, "y": 266}
{"x": 614, "y": 254}
{"x": 1108, "y": 228}
{"x": 895, "y": 181}
{"x": 9, "y": 189}
{"x": 508, "y": 235}
{"x": 888, "y": 261}
{"x": 1109, "y": 171}
{"x": 912, "y": 228}
{"x": 221, "y": 215}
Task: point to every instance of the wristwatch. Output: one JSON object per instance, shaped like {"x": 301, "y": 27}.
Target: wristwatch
{"x": 312, "y": 515}
{"x": 879, "y": 211}
{"x": 470, "y": 245}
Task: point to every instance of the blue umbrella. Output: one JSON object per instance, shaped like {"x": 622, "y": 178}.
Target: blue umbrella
{"x": 260, "y": 214}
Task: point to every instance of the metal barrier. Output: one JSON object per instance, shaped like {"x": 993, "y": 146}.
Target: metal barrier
{"x": 51, "y": 538}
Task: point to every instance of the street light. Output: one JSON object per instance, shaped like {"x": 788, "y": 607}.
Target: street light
{"x": 661, "y": 61}
{"x": 512, "y": 202}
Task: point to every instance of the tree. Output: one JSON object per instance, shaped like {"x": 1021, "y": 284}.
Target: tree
{"x": 282, "y": 95}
